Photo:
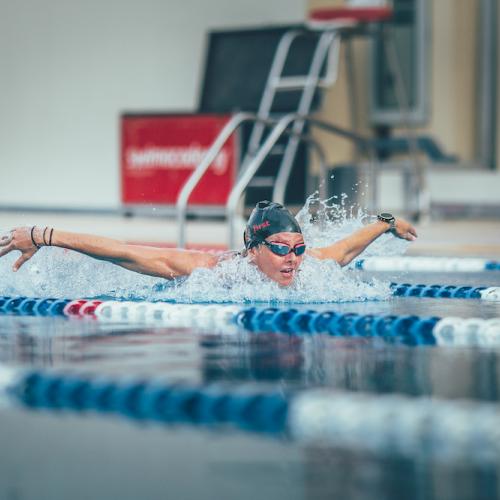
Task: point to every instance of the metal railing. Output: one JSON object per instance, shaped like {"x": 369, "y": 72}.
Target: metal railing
{"x": 251, "y": 167}
{"x": 281, "y": 127}
{"x": 186, "y": 191}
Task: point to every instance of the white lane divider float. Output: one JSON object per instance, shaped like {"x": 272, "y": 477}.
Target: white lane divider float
{"x": 444, "y": 430}
{"x": 491, "y": 293}
{"x": 453, "y": 331}
{"x": 431, "y": 264}
{"x": 167, "y": 314}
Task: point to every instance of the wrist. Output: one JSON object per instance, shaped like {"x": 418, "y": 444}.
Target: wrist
{"x": 34, "y": 235}
{"x": 388, "y": 220}
{"x": 384, "y": 226}
{"x": 41, "y": 237}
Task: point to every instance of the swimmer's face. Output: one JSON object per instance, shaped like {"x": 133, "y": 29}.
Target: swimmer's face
{"x": 281, "y": 269}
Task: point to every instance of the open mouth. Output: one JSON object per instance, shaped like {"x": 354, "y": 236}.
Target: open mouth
{"x": 288, "y": 272}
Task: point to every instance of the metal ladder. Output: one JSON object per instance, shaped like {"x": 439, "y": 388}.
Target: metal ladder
{"x": 326, "y": 50}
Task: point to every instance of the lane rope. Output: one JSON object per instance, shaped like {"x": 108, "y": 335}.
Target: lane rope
{"x": 386, "y": 424}
{"x": 428, "y": 264}
{"x": 229, "y": 319}
{"x": 133, "y": 310}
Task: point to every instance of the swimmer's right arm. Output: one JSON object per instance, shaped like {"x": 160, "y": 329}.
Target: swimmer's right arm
{"x": 166, "y": 263}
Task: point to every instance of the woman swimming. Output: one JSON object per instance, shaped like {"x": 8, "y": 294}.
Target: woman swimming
{"x": 273, "y": 242}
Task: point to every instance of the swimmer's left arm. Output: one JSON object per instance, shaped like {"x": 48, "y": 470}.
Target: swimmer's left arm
{"x": 345, "y": 250}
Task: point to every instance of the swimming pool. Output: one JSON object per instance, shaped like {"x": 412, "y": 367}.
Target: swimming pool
{"x": 281, "y": 400}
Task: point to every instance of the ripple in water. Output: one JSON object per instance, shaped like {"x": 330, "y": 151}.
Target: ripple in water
{"x": 54, "y": 272}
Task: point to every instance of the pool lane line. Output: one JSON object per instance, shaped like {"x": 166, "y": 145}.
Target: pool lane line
{"x": 439, "y": 291}
{"x": 230, "y": 319}
{"x": 89, "y": 307}
{"x": 428, "y": 264}
{"x": 412, "y": 427}
{"x": 32, "y": 306}
{"x": 394, "y": 329}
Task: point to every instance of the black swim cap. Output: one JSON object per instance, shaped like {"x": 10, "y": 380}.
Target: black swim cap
{"x": 268, "y": 218}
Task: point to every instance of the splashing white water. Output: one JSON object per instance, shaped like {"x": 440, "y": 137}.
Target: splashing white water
{"x": 54, "y": 272}
{"x": 324, "y": 221}
{"x": 237, "y": 280}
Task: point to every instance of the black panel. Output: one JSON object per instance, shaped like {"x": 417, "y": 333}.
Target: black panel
{"x": 296, "y": 189}
{"x": 237, "y": 66}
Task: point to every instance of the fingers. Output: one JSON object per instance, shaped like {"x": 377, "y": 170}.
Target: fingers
{"x": 5, "y": 239}
{"x": 6, "y": 250}
{"x": 405, "y": 230}
{"x": 19, "y": 262}
{"x": 410, "y": 234}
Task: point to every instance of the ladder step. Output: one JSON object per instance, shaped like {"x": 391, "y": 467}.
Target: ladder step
{"x": 262, "y": 181}
{"x": 277, "y": 150}
{"x": 291, "y": 82}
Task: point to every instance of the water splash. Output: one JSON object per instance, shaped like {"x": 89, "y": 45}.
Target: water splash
{"x": 237, "y": 280}
{"x": 325, "y": 221}
{"x": 54, "y": 272}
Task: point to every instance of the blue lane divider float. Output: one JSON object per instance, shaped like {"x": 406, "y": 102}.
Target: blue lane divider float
{"x": 33, "y": 306}
{"x": 428, "y": 264}
{"x": 446, "y": 291}
{"x": 174, "y": 403}
{"x": 404, "y": 329}
{"x": 385, "y": 424}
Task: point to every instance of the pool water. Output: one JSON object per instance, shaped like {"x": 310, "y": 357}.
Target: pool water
{"x": 54, "y": 453}
{"x": 87, "y": 413}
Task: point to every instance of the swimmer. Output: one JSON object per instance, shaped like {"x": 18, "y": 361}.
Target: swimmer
{"x": 273, "y": 242}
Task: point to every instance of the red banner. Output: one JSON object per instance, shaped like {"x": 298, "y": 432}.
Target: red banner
{"x": 159, "y": 153}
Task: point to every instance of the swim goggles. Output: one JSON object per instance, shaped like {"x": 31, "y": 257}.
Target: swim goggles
{"x": 283, "y": 249}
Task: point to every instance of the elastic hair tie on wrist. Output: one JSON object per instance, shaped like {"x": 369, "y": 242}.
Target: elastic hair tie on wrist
{"x": 50, "y": 236}
{"x": 44, "y": 240}
{"x": 33, "y": 239}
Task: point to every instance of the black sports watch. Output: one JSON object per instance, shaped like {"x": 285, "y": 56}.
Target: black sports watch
{"x": 389, "y": 219}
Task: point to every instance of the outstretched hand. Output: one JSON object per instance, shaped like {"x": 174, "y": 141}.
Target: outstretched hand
{"x": 404, "y": 230}
{"x": 18, "y": 239}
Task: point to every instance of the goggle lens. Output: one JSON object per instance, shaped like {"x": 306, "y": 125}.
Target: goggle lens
{"x": 282, "y": 249}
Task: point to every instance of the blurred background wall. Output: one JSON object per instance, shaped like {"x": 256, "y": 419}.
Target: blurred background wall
{"x": 453, "y": 33}
{"x": 452, "y": 54}
{"x": 68, "y": 68}
{"x": 463, "y": 64}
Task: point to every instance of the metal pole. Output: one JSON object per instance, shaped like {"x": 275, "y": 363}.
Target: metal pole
{"x": 313, "y": 78}
{"x": 422, "y": 189}
{"x": 250, "y": 171}
{"x": 486, "y": 85}
{"x": 191, "y": 183}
